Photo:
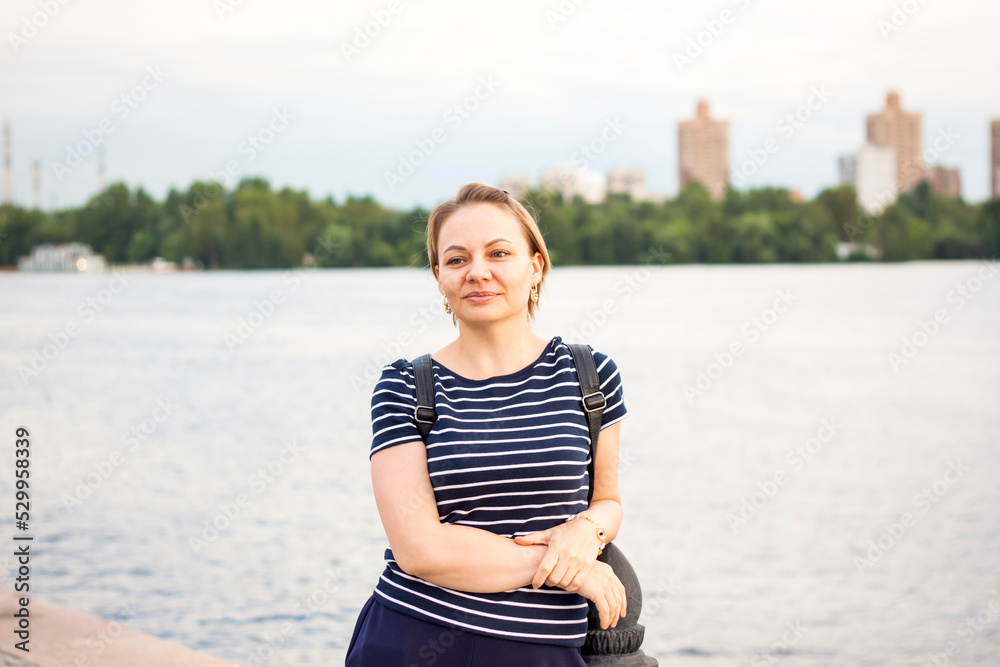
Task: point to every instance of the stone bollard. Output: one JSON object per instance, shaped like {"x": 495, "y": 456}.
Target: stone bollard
{"x": 618, "y": 646}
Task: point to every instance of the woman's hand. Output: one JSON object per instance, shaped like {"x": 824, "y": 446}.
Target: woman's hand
{"x": 602, "y": 587}
{"x": 572, "y": 550}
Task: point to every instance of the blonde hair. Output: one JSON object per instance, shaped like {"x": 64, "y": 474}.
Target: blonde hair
{"x": 480, "y": 193}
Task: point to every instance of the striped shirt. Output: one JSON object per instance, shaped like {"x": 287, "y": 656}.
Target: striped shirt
{"x": 507, "y": 454}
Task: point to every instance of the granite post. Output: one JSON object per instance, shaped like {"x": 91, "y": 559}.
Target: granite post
{"x": 618, "y": 646}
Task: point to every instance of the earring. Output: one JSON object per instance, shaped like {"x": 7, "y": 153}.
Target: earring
{"x": 447, "y": 306}
{"x": 534, "y": 294}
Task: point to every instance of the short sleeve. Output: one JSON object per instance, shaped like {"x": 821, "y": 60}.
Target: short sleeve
{"x": 393, "y": 402}
{"x": 611, "y": 386}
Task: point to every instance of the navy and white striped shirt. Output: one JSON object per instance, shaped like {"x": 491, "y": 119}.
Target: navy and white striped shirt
{"x": 508, "y": 454}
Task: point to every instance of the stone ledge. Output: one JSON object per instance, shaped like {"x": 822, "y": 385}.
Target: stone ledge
{"x": 61, "y": 636}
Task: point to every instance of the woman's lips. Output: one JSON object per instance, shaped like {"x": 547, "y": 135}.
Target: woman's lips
{"x": 480, "y": 297}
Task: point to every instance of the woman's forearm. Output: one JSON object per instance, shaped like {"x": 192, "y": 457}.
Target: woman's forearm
{"x": 464, "y": 558}
{"x": 471, "y": 559}
{"x": 608, "y": 513}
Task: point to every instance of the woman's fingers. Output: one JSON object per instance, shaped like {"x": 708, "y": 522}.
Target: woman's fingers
{"x": 567, "y": 555}
{"x": 624, "y": 595}
{"x": 570, "y": 572}
{"x": 616, "y": 599}
{"x": 622, "y": 600}
{"x": 558, "y": 573}
{"x": 578, "y": 580}
{"x": 541, "y": 537}
{"x": 544, "y": 571}
{"x": 564, "y": 570}
{"x": 603, "y": 610}
{"x": 600, "y": 585}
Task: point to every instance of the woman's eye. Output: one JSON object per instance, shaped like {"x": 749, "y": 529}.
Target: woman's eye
{"x": 503, "y": 251}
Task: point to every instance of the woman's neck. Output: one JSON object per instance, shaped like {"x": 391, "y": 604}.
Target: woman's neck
{"x": 480, "y": 353}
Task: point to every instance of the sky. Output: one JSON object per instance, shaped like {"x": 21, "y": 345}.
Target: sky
{"x": 407, "y": 100}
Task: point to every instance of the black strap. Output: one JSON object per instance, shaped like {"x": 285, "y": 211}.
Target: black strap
{"x": 424, "y": 413}
{"x": 594, "y": 401}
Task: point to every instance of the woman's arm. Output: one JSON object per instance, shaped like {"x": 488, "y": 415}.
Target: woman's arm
{"x": 572, "y": 547}
{"x": 464, "y": 558}
{"x": 606, "y": 505}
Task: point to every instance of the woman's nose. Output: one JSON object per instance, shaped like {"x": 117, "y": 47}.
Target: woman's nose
{"x": 479, "y": 268}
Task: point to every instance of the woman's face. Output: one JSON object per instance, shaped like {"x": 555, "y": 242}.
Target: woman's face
{"x": 482, "y": 250}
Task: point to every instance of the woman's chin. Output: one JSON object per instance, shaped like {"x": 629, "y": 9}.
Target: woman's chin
{"x": 485, "y": 312}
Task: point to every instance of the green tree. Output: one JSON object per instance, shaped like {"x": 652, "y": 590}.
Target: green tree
{"x": 254, "y": 226}
{"x": 113, "y": 217}
{"x": 841, "y": 205}
{"x": 903, "y": 236}
{"x": 676, "y": 239}
{"x": 988, "y": 228}
{"x": 20, "y": 231}
{"x": 754, "y": 238}
{"x": 194, "y": 224}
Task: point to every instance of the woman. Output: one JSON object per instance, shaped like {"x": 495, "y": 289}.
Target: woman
{"x": 493, "y": 547}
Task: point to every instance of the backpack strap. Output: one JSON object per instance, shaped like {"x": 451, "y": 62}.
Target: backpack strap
{"x": 594, "y": 401}
{"x": 424, "y": 413}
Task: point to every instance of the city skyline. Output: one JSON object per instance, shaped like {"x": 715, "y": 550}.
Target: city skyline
{"x": 705, "y": 141}
{"x": 186, "y": 91}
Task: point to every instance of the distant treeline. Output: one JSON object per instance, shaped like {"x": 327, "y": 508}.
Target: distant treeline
{"x": 254, "y": 227}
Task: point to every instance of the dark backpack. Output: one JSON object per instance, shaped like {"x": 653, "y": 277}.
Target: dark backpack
{"x": 594, "y": 401}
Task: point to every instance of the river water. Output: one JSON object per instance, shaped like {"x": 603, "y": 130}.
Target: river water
{"x": 809, "y": 466}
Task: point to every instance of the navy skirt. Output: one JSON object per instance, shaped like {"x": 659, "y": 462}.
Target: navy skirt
{"x": 386, "y": 638}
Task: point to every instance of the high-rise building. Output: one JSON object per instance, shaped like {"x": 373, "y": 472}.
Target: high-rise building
{"x": 703, "y": 152}
{"x": 631, "y": 180}
{"x": 945, "y": 181}
{"x": 902, "y": 131}
{"x": 847, "y": 168}
{"x": 872, "y": 172}
{"x": 995, "y": 158}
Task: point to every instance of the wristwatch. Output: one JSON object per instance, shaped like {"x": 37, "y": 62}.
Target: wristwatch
{"x": 600, "y": 530}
